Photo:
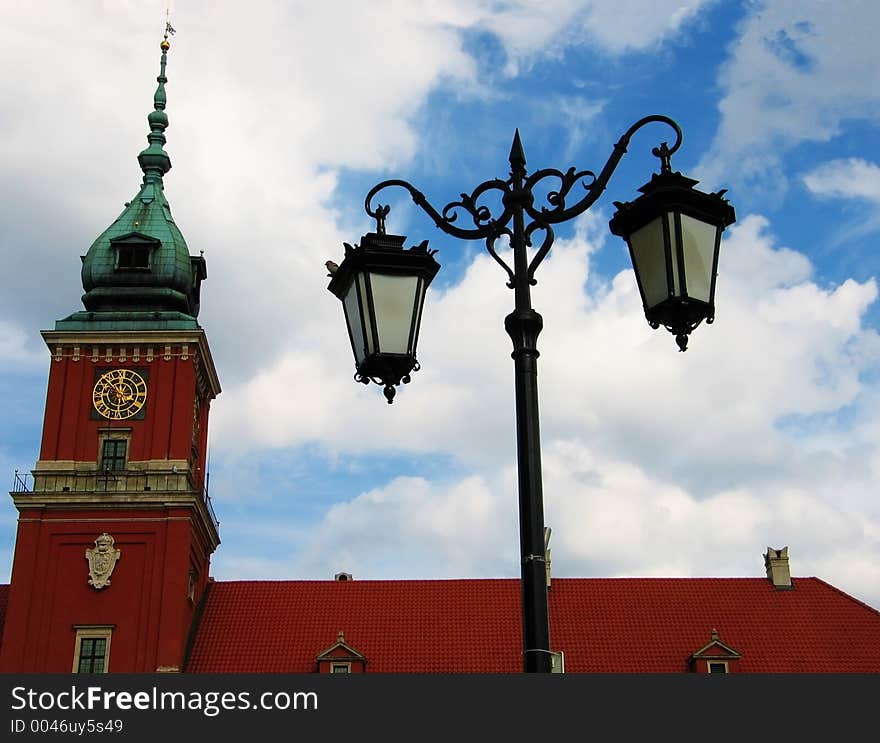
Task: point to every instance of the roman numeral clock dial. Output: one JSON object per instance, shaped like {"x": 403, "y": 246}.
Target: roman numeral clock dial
{"x": 119, "y": 394}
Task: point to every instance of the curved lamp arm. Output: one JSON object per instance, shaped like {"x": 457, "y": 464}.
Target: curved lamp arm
{"x": 485, "y": 225}
{"x": 517, "y": 193}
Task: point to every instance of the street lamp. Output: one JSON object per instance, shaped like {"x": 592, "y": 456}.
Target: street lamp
{"x": 382, "y": 288}
{"x": 674, "y": 235}
{"x": 673, "y": 232}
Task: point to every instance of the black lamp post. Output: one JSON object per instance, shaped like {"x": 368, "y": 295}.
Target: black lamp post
{"x": 673, "y": 232}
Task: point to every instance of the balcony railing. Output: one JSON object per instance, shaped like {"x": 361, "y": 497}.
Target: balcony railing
{"x": 19, "y": 484}
{"x": 115, "y": 481}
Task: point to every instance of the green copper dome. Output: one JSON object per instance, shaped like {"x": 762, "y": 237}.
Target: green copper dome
{"x": 139, "y": 273}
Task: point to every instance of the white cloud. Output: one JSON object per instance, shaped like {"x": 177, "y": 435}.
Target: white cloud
{"x": 795, "y": 74}
{"x": 267, "y": 106}
{"x": 655, "y": 462}
{"x": 765, "y": 301}
{"x": 845, "y": 178}
{"x": 635, "y": 25}
{"x": 528, "y": 29}
{"x": 412, "y": 528}
{"x": 16, "y": 349}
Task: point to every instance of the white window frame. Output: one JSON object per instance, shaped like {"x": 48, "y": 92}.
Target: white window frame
{"x": 113, "y": 434}
{"x": 92, "y": 632}
{"x": 710, "y": 663}
{"x": 335, "y": 666}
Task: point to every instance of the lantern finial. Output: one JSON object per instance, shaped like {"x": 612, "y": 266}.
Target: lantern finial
{"x": 665, "y": 154}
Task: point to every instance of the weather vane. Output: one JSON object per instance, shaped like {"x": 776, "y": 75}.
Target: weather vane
{"x": 169, "y": 29}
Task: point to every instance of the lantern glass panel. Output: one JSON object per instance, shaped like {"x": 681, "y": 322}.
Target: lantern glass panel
{"x": 674, "y": 250}
{"x": 394, "y": 299}
{"x": 698, "y": 241}
{"x": 355, "y": 316}
{"x": 649, "y": 257}
{"x": 420, "y": 303}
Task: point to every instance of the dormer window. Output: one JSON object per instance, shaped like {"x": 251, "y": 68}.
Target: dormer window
{"x": 714, "y": 657}
{"x": 341, "y": 657}
{"x": 134, "y": 257}
{"x": 134, "y": 251}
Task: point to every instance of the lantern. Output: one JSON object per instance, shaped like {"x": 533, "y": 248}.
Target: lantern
{"x": 382, "y": 288}
{"x": 674, "y": 235}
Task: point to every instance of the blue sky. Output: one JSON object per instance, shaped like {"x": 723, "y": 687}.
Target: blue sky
{"x": 282, "y": 116}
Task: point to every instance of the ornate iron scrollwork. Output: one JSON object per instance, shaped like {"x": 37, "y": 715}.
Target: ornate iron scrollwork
{"x": 518, "y": 196}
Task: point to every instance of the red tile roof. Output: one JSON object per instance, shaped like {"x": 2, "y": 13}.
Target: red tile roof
{"x": 614, "y": 625}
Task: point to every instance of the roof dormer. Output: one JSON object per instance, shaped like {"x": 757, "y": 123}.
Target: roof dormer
{"x": 341, "y": 657}
{"x": 714, "y": 657}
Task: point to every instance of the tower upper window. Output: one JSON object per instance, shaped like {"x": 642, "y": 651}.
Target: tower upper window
{"x": 92, "y": 650}
{"x": 133, "y": 257}
{"x": 134, "y": 251}
{"x": 113, "y": 455}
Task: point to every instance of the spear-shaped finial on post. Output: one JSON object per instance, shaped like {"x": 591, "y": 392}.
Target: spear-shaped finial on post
{"x": 517, "y": 157}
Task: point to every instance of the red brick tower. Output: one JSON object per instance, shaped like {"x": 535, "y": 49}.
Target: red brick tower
{"x": 116, "y": 529}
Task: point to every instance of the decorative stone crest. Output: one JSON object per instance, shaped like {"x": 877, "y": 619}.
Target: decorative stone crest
{"x": 102, "y": 559}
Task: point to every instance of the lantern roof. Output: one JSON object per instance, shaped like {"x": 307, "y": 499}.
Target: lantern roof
{"x": 671, "y": 190}
{"x": 382, "y": 253}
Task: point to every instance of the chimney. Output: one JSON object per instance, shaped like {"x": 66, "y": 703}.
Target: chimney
{"x": 778, "y": 573}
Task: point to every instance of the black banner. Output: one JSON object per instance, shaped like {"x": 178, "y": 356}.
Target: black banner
{"x": 426, "y": 707}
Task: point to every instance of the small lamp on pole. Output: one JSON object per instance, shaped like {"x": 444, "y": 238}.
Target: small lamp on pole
{"x": 674, "y": 235}
{"x": 382, "y": 287}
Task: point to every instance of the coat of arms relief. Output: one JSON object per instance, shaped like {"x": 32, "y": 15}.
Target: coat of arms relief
{"x": 102, "y": 559}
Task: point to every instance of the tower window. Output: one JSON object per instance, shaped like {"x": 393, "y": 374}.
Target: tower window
{"x": 92, "y": 654}
{"x": 133, "y": 257}
{"x": 113, "y": 455}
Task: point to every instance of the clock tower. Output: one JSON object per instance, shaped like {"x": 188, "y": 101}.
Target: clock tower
{"x": 116, "y": 529}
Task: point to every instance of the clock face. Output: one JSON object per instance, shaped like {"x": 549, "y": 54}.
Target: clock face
{"x": 119, "y": 394}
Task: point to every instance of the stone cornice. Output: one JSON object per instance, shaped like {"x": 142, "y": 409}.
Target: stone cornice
{"x": 86, "y": 340}
{"x": 67, "y": 467}
{"x": 120, "y": 501}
